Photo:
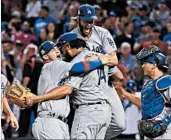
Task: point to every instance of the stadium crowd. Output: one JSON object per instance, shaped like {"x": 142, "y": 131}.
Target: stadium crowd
{"x": 134, "y": 24}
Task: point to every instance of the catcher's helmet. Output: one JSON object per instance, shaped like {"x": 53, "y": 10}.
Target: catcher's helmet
{"x": 153, "y": 55}
{"x": 86, "y": 12}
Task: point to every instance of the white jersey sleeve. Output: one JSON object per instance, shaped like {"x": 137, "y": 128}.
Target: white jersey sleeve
{"x": 108, "y": 42}
{"x": 4, "y": 83}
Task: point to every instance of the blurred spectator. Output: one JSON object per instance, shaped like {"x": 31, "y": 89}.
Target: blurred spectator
{"x": 55, "y": 6}
{"x": 106, "y": 24}
{"x": 8, "y": 61}
{"x": 99, "y": 15}
{"x": 167, "y": 37}
{"x": 142, "y": 18}
{"x": 26, "y": 35}
{"x": 42, "y": 37}
{"x": 156, "y": 41}
{"x": 127, "y": 35}
{"x": 114, "y": 23}
{"x": 71, "y": 11}
{"x": 32, "y": 10}
{"x": 31, "y": 73}
{"x": 131, "y": 120}
{"x": 146, "y": 32}
{"x": 52, "y": 33}
{"x": 43, "y": 20}
{"x": 127, "y": 62}
{"x": 161, "y": 15}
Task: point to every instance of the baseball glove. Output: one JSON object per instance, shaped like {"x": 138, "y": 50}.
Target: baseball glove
{"x": 17, "y": 93}
{"x": 151, "y": 128}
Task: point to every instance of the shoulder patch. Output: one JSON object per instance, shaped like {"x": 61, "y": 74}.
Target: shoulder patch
{"x": 163, "y": 83}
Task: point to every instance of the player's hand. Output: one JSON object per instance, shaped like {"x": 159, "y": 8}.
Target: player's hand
{"x": 28, "y": 101}
{"x": 105, "y": 59}
{"x": 14, "y": 122}
{"x": 121, "y": 91}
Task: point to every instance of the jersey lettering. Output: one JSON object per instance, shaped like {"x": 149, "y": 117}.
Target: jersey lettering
{"x": 101, "y": 75}
{"x": 110, "y": 42}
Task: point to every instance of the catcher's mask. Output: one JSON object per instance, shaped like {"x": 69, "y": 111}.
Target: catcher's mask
{"x": 152, "y": 55}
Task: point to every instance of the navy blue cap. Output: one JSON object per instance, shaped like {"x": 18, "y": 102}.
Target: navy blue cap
{"x": 65, "y": 38}
{"x": 45, "y": 47}
{"x": 131, "y": 85}
{"x": 86, "y": 12}
{"x": 112, "y": 14}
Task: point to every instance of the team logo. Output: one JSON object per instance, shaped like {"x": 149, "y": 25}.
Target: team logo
{"x": 42, "y": 52}
{"x": 88, "y": 11}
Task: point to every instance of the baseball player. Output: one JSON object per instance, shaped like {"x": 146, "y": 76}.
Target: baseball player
{"x": 100, "y": 40}
{"x": 93, "y": 112}
{"x": 4, "y": 104}
{"x": 155, "y": 95}
{"x": 51, "y": 120}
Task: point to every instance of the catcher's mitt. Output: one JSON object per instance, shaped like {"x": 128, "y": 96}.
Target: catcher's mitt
{"x": 17, "y": 93}
{"x": 151, "y": 128}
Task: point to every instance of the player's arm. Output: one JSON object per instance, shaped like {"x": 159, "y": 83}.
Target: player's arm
{"x": 110, "y": 48}
{"x": 86, "y": 66}
{"x": 7, "y": 111}
{"x": 113, "y": 59}
{"x": 55, "y": 93}
{"x": 123, "y": 94}
{"x": 117, "y": 74}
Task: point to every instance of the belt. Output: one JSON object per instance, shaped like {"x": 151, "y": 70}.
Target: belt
{"x": 87, "y": 104}
{"x": 58, "y": 117}
{"x": 53, "y": 115}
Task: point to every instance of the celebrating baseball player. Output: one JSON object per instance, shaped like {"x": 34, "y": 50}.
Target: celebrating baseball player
{"x": 51, "y": 120}
{"x": 100, "y": 40}
{"x": 5, "y": 106}
{"x": 89, "y": 92}
{"x": 155, "y": 95}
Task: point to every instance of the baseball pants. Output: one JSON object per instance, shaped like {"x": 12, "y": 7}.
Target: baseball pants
{"x": 50, "y": 128}
{"x": 91, "y": 121}
{"x": 118, "y": 122}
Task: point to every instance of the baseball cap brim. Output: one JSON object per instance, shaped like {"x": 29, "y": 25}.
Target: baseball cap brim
{"x": 88, "y": 18}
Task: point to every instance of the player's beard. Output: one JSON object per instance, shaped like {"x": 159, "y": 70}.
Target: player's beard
{"x": 83, "y": 30}
{"x": 67, "y": 57}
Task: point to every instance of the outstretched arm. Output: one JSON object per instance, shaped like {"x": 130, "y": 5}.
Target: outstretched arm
{"x": 55, "y": 93}
{"x": 126, "y": 95}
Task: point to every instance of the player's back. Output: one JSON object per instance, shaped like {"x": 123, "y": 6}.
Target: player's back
{"x": 89, "y": 86}
{"x": 51, "y": 76}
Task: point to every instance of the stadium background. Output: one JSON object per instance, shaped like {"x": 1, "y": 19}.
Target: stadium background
{"x": 25, "y": 24}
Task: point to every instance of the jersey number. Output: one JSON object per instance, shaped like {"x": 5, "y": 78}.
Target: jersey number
{"x": 101, "y": 75}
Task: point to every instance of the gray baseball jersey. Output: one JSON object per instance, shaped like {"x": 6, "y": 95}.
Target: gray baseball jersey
{"x": 90, "y": 121}
{"x": 51, "y": 75}
{"x": 88, "y": 87}
{"x": 4, "y": 82}
{"x": 100, "y": 40}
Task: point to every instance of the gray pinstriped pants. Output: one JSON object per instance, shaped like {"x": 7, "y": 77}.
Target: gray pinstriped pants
{"x": 91, "y": 121}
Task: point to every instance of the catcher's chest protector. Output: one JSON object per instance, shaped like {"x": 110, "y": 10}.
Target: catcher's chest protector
{"x": 152, "y": 101}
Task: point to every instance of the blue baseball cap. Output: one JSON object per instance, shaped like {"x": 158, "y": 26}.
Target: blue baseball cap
{"x": 131, "y": 85}
{"x": 86, "y": 12}
{"x": 112, "y": 14}
{"x": 66, "y": 38}
{"x": 45, "y": 47}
